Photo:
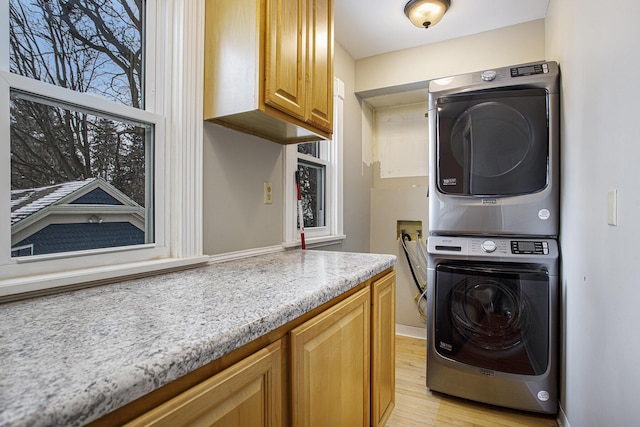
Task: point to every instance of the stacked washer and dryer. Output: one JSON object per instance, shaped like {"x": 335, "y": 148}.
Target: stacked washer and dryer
{"x": 493, "y": 226}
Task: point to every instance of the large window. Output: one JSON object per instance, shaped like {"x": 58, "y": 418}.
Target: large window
{"x": 86, "y": 99}
{"x": 319, "y": 165}
{"x": 88, "y": 47}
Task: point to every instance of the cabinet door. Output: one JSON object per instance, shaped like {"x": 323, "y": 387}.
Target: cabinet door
{"x": 248, "y": 393}
{"x": 330, "y": 366}
{"x": 383, "y": 332}
{"x": 320, "y": 89}
{"x": 285, "y": 56}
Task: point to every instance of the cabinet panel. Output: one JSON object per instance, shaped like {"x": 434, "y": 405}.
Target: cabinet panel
{"x": 330, "y": 366}
{"x": 248, "y": 393}
{"x": 321, "y": 64}
{"x": 286, "y": 52}
{"x": 383, "y": 333}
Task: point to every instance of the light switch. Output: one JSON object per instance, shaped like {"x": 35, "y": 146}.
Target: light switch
{"x": 613, "y": 207}
{"x": 268, "y": 193}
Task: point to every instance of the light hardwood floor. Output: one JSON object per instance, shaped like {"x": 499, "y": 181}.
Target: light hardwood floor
{"x": 417, "y": 406}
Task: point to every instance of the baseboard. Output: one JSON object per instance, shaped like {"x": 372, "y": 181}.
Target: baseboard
{"x": 411, "y": 331}
{"x": 229, "y": 256}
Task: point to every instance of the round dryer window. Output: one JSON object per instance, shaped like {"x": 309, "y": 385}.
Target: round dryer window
{"x": 491, "y": 139}
{"x": 492, "y": 143}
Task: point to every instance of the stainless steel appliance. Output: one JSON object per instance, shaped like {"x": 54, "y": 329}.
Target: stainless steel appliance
{"x": 493, "y": 314}
{"x": 494, "y": 152}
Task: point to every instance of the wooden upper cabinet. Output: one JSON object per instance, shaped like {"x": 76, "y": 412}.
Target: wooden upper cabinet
{"x": 269, "y": 68}
{"x": 320, "y": 68}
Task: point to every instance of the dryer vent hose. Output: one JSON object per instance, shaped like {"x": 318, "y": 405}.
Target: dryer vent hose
{"x": 418, "y": 271}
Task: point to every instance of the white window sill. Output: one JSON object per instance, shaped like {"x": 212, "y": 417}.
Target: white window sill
{"x": 316, "y": 242}
{"x": 31, "y": 286}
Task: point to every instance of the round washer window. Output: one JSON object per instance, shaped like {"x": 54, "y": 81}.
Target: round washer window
{"x": 489, "y": 313}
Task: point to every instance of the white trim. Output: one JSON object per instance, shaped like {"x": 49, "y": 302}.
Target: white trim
{"x": 185, "y": 107}
{"x": 93, "y": 102}
{"x": 411, "y": 331}
{"x": 76, "y": 255}
{"x": 336, "y": 158}
{"x": 247, "y": 253}
{"x": 5, "y": 171}
{"x": 316, "y": 242}
{"x": 109, "y": 273}
{"x": 289, "y": 217}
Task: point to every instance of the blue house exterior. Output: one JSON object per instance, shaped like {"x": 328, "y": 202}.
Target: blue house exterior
{"x": 74, "y": 216}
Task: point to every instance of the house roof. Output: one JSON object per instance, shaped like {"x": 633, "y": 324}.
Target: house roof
{"x": 29, "y": 201}
{"x": 58, "y": 218}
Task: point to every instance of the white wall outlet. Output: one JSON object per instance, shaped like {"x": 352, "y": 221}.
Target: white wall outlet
{"x": 268, "y": 193}
{"x": 612, "y": 207}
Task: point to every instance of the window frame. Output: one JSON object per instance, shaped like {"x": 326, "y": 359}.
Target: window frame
{"x": 332, "y": 231}
{"x": 174, "y": 75}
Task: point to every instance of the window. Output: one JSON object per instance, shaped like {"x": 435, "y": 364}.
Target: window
{"x": 319, "y": 165}
{"x": 312, "y": 170}
{"x": 87, "y": 148}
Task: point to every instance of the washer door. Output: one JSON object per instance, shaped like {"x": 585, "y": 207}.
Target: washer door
{"x": 493, "y": 316}
{"x": 492, "y": 143}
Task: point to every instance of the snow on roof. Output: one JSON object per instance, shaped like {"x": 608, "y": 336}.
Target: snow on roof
{"x": 29, "y": 201}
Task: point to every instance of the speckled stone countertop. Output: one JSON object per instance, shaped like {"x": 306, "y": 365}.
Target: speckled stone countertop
{"x": 68, "y": 359}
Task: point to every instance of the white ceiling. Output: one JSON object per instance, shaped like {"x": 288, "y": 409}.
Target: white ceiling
{"x": 372, "y": 27}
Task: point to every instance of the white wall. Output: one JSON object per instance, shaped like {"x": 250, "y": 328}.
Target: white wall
{"x": 236, "y": 165}
{"x": 511, "y": 45}
{"x": 597, "y": 49}
{"x": 399, "y": 193}
{"x": 357, "y": 171}
{"x": 235, "y": 169}
{"x": 403, "y": 198}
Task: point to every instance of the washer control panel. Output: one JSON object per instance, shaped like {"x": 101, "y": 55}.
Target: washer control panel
{"x": 492, "y": 246}
{"x": 529, "y": 247}
{"x": 489, "y": 246}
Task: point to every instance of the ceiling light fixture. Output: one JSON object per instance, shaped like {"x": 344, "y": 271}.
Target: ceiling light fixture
{"x": 426, "y": 13}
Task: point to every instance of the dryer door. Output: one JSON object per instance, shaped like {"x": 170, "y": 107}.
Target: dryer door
{"x": 492, "y": 143}
{"x": 493, "y": 316}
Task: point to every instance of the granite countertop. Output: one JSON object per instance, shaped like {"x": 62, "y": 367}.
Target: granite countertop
{"x": 70, "y": 358}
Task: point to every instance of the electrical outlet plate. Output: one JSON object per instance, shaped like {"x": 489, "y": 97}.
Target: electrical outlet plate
{"x": 268, "y": 193}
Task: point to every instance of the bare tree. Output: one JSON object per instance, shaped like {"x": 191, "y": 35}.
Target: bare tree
{"x": 85, "y": 46}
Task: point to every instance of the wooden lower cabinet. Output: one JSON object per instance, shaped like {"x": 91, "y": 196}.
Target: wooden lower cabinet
{"x": 383, "y": 334}
{"x": 248, "y": 393}
{"x": 334, "y": 366}
{"x": 330, "y": 366}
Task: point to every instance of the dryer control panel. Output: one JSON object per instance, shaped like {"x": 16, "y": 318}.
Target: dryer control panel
{"x": 529, "y": 70}
{"x": 529, "y": 247}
